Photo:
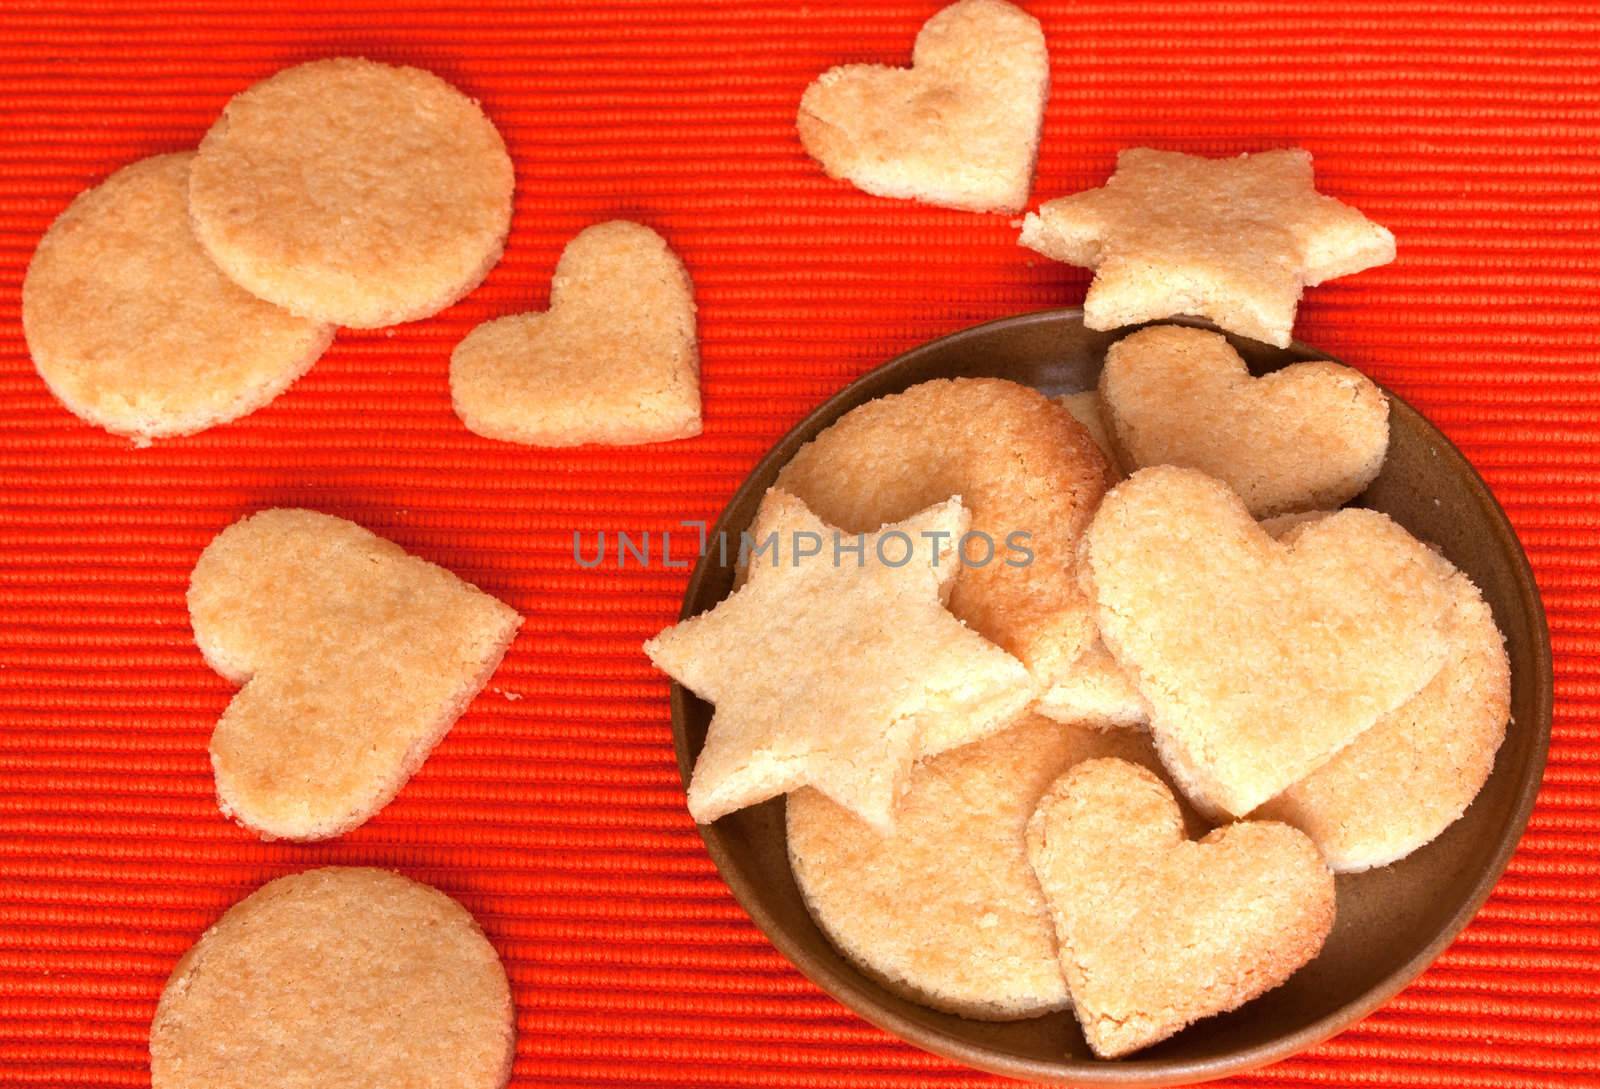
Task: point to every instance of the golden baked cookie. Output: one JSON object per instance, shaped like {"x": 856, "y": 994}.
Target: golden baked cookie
{"x": 835, "y": 670}
{"x": 1156, "y": 931}
{"x": 614, "y": 360}
{"x": 338, "y": 978}
{"x": 1279, "y": 525}
{"x": 355, "y": 659}
{"x": 1096, "y": 690}
{"x": 959, "y": 128}
{"x": 136, "y": 331}
{"x": 353, "y": 192}
{"x": 1408, "y": 778}
{"x": 1086, "y": 409}
{"x": 1021, "y": 464}
{"x": 1234, "y": 240}
{"x": 1309, "y": 436}
{"x": 945, "y": 909}
{"x": 1260, "y": 660}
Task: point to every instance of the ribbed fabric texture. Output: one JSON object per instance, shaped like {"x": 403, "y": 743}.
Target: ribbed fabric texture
{"x": 553, "y": 810}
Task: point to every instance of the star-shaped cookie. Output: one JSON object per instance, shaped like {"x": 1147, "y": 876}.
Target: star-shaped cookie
{"x": 1234, "y": 240}
{"x": 827, "y": 669}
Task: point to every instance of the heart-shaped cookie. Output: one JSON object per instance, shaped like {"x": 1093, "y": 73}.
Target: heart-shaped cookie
{"x": 1310, "y": 436}
{"x": 1097, "y": 689}
{"x": 1155, "y": 931}
{"x": 356, "y": 659}
{"x": 959, "y": 128}
{"x": 944, "y": 909}
{"x": 1403, "y": 782}
{"x": 614, "y": 360}
{"x": 1259, "y": 660}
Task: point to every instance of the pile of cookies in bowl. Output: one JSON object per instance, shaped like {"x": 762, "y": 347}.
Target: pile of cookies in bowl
{"x": 1081, "y": 702}
{"x": 1084, "y": 698}
{"x": 1054, "y": 737}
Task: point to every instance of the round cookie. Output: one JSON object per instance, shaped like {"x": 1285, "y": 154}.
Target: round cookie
{"x": 1408, "y": 778}
{"x": 135, "y": 330}
{"x": 338, "y": 978}
{"x": 353, "y": 192}
{"x": 1019, "y": 462}
{"x": 945, "y": 909}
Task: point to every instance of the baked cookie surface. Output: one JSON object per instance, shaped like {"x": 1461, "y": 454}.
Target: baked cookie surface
{"x": 353, "y": 192}
{"x": 1259, "y": 659}
{"x": 945, "y": 909}
{"x": 1156, "y": 931}
{"x": 1309, "y": 436}
{"x": 133, "y": 327}
{"x": 1234, "y": 240}
{"x": 338, "y": 978}
{"x": 1096, "y": 689}
{"x": 1086, "y": 408}
{"x": 355, "y": 659}
{"x": 614, "y": 360}
{"x": 960, "y": 128}
{"x": 1020, "y": 463}
{"x": 835, "y": 673}
{"x": 1403, "y": 782}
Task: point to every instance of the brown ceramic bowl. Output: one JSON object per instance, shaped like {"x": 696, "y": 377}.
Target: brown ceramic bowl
{"x": 1392, "y": 922}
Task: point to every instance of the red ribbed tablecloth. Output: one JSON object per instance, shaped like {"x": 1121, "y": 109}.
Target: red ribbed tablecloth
{"x": 553, "y": 810}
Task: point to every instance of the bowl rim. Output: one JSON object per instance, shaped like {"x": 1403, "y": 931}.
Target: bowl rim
{"x": 1131, "y": 1071}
